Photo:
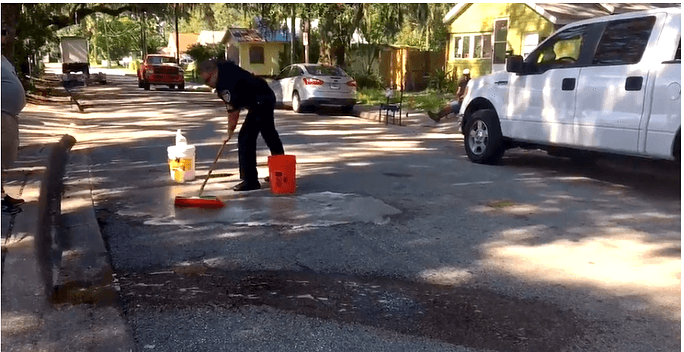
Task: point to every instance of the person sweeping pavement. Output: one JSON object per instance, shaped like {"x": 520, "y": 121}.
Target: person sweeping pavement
{"x": 239, "y": 89}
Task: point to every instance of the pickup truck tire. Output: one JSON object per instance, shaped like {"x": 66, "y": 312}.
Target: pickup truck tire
{"x": 146, "y": 85}
{"x": 181, "y": 86}
{"x": 677, "y": 149}
{"x": 483, "y": 138}
{"x": 140, "y": 84}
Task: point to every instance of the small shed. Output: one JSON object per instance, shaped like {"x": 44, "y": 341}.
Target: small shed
{"x": 254, "y": 51}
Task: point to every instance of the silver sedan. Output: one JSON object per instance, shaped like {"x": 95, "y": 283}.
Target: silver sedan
{"x": 312, "y": 85}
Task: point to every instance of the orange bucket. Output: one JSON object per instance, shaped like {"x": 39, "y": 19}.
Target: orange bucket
{"x": 281, "y": 170}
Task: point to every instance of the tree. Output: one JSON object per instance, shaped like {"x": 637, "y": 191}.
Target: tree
{"x": 379, "y": 26}
{"x": 337, "y": 23}
{"x": 30, "y": 26}
{"x": 424, "y": 27}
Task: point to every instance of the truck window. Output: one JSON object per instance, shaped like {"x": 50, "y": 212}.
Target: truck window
{"x": 623, "y": 42}
{"x": 678, "y": 53}
{"x": 562, "y": 50}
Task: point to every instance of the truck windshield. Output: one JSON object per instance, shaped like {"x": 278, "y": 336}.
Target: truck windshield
{"x": 158, "y": 60}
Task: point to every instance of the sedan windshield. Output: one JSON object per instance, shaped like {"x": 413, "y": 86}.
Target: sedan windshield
{"x": 321, "y": 70}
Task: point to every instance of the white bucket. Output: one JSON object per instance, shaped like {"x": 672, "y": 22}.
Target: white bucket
{"x": 182, "y": 162}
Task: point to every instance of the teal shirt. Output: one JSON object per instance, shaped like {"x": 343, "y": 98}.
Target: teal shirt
{"x": 13, "y": 95}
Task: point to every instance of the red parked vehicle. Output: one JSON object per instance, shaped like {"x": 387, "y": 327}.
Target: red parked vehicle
{"x": 160, "y": 70}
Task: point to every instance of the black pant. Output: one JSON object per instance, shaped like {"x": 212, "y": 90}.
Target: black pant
{"x": 259, "y": 119}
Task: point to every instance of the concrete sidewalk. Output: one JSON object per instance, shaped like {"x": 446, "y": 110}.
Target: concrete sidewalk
{"x": 77, "y": 309}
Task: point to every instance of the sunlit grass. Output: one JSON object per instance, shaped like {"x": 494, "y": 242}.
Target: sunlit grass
{"x": 425, "y": 100}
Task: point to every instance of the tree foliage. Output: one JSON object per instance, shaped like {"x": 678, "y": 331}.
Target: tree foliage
{"x": 117, "y": 29}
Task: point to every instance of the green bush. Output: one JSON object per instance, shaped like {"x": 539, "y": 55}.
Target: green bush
{"x": 135, "y": 65}
{"x": 200, "y": 52}
{"x": 441, "y": 81}
{"x": 368, "y": 81}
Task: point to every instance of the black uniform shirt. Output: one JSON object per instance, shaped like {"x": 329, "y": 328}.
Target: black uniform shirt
{"x": 240, "y": 89}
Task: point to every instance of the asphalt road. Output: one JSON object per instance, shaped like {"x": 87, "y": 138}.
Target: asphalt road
{"x": 393, "y": 241}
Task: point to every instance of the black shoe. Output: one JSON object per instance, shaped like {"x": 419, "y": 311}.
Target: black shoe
{"x": 13, "y": 201}
{"x": 433, "y": 116}
{"x": 8, "y": 208}
{"x": 246, "y": 186}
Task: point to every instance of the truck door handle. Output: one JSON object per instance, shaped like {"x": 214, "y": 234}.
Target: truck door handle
{"x": 634, "y": 83}
{"x": 568, "y": 84}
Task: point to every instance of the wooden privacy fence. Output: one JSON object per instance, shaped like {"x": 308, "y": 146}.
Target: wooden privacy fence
{"x": 409, "y": 69}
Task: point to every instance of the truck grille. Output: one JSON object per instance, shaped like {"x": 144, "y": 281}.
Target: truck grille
{"x": 166, "y": 70}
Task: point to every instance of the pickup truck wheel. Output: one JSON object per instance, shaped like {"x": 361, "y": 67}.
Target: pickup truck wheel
{"x": 140, "y": 84}
{"x": 677, "y": 150}
{"x": 146, "y": 85}
{"x": 483, "y": 138}
{"x": 171, "y": 86}
{"x": 181, "y": 87}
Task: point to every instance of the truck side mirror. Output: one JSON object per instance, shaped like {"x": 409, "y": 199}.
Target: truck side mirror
{"x": 515, "y": 64}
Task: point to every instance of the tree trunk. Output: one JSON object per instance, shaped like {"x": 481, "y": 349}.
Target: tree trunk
{"x": 338, "y": 52}
{"x": 306, "y": 42}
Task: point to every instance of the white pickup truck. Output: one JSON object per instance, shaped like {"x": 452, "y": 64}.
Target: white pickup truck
{"x": 605, "y": 85}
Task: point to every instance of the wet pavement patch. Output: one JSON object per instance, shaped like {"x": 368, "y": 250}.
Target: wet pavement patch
{"x": 458, "y": 315}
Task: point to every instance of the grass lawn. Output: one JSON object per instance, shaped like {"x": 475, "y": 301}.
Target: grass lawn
{"x": 424, "y": 100}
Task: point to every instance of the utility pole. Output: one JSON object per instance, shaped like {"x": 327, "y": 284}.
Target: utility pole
{"x": 175, "y": 12}
{"x": 143, "y": 40}
{"x": 292, "y": 29}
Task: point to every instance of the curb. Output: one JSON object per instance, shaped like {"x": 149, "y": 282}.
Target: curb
{"x": 57, "y": 283}
{"x": 85, "y": 273}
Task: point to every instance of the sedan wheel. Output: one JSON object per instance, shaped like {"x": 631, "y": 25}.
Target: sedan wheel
{"x": 483, "y": 138}
{"x": 296, "y": 103}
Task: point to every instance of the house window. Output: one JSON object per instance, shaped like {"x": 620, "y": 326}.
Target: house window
{"x": 466, "y": 47}
{"x": 473, "y": 46}
{"x": 530, "y": 41}
{"x": 500, "y": 35}
{"x": 457, "y": 47}
{"x": 256, "y": 54}
{"x": 477, "y": 47}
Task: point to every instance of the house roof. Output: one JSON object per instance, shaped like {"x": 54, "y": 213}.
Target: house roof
{"x": 248, "y": 35}
{"x": 564, "y": 13}
{"x": 210, "y": 37}
{"x": 185, "y": 40}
